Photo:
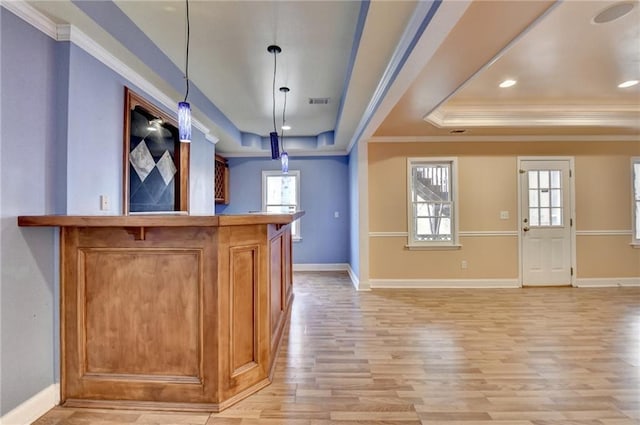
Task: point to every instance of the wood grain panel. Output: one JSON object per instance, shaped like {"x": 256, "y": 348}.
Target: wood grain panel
{"x": 243, "y": 302}
{"x": 141, "y": 312}
{"x": 287, "y": 264}
{"x": 94, "y": 260}
{"x": 276, "y": 295}
{"x": 174, "y": 317}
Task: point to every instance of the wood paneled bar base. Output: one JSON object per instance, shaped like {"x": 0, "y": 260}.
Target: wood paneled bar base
{"x": 170, "y": 312}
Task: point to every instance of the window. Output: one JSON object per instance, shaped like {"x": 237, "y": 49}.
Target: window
{"x": 281, "y": 194}
{"x": 545, "y": 198}
{"x": 432, "y": 216}
{"x": 635, "y": 174}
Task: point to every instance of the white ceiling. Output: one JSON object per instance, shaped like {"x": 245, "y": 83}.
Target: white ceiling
{"x": 567, "y": 70}
{"x": 567, "y": 67}
{"x": 230, "y": 63}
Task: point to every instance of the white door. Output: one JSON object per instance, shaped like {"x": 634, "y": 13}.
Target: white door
{"x": 545, "y": 228}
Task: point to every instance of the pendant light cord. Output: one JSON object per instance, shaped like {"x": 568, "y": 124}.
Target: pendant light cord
{"x": 284, "y": 108}
{"x": 273, "y": 90}
{"x": 186, "y": 67}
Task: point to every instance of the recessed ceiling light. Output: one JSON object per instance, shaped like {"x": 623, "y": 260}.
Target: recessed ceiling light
{"x": 628, "y": 83}
{"x": 286, "y": 127}
{"x": 613, "y": 12}
{"x": 508, "y": 83}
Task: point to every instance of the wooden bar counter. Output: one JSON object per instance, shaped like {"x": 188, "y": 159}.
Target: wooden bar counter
{"x": 170, "y": 312}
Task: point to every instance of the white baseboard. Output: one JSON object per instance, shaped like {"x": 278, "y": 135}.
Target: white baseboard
{"x": 321, "y": 267}
{"x": 332, "y": 267}
{"x": 607, "y": 282}
{"x": 444, "y": 283}
{"x": 357, "y": 284}
{"x": 33, "y": 408}
{"x": 352, "y": 275}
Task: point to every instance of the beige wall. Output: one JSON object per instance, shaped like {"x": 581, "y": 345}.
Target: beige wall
{"x": 487, "y": 176}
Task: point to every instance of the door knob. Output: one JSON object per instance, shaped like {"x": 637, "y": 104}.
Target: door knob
{"x": 525, "y": 229}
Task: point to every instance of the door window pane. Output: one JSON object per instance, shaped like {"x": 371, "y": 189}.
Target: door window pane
{"x": 545, "y": 217}
{"x": 533, "y": 198}
{"x": 533, "y": 217}
{"x": 556, "y": 198}
{"x": 555, "y": 179}
{"x": 556, "y": 216}
{"x": 545, "y": 197}
{"x": 533, "y": 179}
{"x": 544, "y": 179}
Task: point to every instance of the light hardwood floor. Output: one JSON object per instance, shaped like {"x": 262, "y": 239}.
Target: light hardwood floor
{"x": 457, "y": 357}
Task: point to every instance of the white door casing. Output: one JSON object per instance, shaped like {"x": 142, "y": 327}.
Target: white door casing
{"x": 546, "y": 221}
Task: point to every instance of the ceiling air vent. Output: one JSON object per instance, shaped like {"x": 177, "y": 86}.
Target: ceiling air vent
{"x": 318, "y": 100}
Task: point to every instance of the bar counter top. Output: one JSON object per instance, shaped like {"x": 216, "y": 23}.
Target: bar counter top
{"x": 158, "y": 220}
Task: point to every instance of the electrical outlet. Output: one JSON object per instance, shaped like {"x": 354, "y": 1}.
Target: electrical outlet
{"x": 464, "y": 264}
{"x": 504, "y": 215}
{"x": 336, "y": 214}
{"x": 104, "y": 203}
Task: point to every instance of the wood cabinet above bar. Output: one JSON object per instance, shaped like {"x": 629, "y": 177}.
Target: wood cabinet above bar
{"x": 170, "y": 312}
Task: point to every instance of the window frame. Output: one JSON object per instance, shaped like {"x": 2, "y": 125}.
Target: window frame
{"x": 277, "y": 173}
{"x": 412, "y": 242}
{"x": 635, "y": 204}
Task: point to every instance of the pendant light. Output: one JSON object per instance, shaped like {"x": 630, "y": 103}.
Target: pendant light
{"x": 184, "y": 109}
{"x": 275, "y": 148}
{"x": 284, "y": 157}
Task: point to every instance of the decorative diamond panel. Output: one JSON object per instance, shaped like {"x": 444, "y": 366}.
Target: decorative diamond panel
{"x": 166, "y": 167}
{"x": 141, "y": 160}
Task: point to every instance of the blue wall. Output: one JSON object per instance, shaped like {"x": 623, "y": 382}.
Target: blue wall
{"x": 354, "y": 209}
{"x": 94, "y": 141}
{"x": 28, "y": 174}
{"x": 61, "y": 128}
{"x": 323, "y": 191}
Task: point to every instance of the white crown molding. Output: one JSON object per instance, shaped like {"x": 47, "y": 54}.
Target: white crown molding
{"x": 436, "y": 118}
{"x": 34, "y": 407}
{"x": 65, "y": 32}
{"x": 444, "y": 283}
{"x": 395, "y": 62}
{"x": 30, "y": 15}
{"x": 469, "y": 116}
{"x": 86, "y": 43}
{"x": 292, "y": 154}
{"x": 506, "y": 139}
{"x": 601, "y": 282}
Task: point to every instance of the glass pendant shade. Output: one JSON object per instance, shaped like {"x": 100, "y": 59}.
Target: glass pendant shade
{"x": 184, "y": 122}
{"x": 284, "y": 157}
{"x": 275, "y": 148}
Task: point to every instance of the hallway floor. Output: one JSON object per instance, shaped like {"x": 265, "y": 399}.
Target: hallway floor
{"x": 540, "y": 356}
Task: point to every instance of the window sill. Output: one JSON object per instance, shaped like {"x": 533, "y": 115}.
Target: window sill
{"x": 433, "y": 247}
{"x": 635, "y": 245}
{"x": 297, "y": 239}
